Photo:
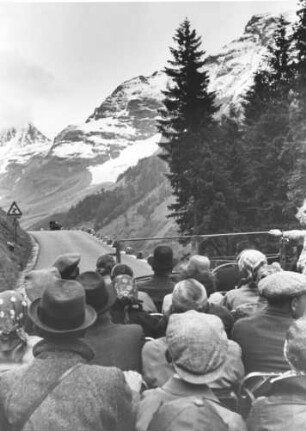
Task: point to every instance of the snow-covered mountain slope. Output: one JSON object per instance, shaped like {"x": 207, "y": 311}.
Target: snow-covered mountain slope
{"x": 19, "y": 146}
{"x": 47, "y": 178}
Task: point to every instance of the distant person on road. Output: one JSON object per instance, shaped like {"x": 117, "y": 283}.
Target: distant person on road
{"x": 59, "y": 390}
{"x": 114, "y": 344}
{"x": 15, "y": 344}
{"x": 68, "y": 265}
{"x": 159, "y": 284}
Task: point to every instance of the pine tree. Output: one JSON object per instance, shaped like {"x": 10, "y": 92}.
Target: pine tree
{"x": 186, "y": 125}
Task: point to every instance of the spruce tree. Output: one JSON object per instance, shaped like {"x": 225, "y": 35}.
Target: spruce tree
{"x": 266, "y": 126}
{"x": 187, "y": 125}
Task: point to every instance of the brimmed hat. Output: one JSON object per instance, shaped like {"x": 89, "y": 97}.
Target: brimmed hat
{"x": 62, "y": 309}
{"x": 187, "y": 295}
{"x": 125, "y": 287}
{"x": 67, "y": 263}
{"x": 197, "y": 344}
{"x": 100, "y": 296}
{"x": 295, "y": 345}
{"x": 249, "y": 261}
{"x": 38, "y": 279}
{"x": 13, "y": 311}
{"x": 282, "y": 284}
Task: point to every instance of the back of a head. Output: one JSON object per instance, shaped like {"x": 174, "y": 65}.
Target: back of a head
{"x": 249, "y": 262}
{"x": 121, "y": 269}
{"x": 187, "y": 295}
{"x": 295, "y": 345}
{"x": 67, "y": 265}
{"x": 163, "y": 259}
{"x": 198, "y": 263}
{"x": 105, "y": 264}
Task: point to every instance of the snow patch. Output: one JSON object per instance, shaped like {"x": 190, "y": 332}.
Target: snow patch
{"x": 130, "y": 156}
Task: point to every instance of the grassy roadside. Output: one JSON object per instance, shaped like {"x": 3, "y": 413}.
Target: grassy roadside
{"x": 13, "y": 255}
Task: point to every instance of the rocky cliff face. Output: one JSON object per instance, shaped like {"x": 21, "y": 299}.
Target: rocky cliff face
{"x": 49, "y": 177}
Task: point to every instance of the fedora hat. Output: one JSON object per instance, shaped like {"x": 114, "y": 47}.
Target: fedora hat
{"x": 62, "y": 309}
{"x": 100, "y": 296}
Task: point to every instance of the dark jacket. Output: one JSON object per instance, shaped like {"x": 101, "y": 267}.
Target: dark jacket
{"x": 91, "y": 398}
{"x": 283, "y": 409}
{"x": 116, "y": 345}
{"x": 157, "y": 286}
{"x": 262, "y": 338}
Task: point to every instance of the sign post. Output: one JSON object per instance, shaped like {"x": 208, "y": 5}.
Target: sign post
{"x": 15, "y": 213}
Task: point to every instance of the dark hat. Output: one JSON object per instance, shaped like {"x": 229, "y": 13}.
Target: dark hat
{"x": 98, "y": 295}
{"x": 62, "y": 309}
{"x": 67, "y": 263}
{"x": 163, "y": 257}
{"x": 122, "y": 269}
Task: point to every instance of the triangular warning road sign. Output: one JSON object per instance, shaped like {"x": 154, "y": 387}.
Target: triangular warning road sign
{"x": 14, "y": 210}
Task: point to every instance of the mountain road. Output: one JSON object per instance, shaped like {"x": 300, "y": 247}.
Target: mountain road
{"x": 53, "y": 243}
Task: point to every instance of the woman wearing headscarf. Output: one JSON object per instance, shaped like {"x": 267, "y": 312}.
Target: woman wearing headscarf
{"x": 249, "y": 262}
{"x": 15, "y": 344}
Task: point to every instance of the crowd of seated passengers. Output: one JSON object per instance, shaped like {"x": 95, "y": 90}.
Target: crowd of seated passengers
{"x": 101, "y": 351}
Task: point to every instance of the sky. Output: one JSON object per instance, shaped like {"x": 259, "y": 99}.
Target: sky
{"x": 58, "y": 61}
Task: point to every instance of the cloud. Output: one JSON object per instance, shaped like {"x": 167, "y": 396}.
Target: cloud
{"x": 23, "y": 88}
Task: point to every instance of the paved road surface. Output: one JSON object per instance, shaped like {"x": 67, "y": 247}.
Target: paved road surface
{"x": 53, "y": 243}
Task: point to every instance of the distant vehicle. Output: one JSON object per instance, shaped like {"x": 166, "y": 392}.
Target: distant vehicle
{"x": 54, "y": 225}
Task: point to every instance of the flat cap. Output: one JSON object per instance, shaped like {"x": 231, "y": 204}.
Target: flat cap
{"x": 282, "y": 284}
{"x": 67, "y": 262}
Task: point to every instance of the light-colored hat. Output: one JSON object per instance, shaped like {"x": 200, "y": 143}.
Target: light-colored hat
{"x": 198, "y": 263}
{"x": 187, "y": 295}
{"x": 249, "y": 261}
{"x": 197, "y": 344}
{"x": 37, "y": 280}
{"x": 67, "y": 263}
{"x": 282, "y": 284}
{"x": 13, "y": 311}
{"x": 295, "y": 345}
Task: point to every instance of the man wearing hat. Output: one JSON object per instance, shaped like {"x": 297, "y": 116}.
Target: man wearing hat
{"x": 160, "y": 283}
{"x": 197, "y": 346}
{"x": 262, "y": 335}
{"x": 114, "y": 344}
{"x": 68, "y": 265}
{"x": 284, "y": 407}
{"x": 190, "y": 295}
{"x": 59, "y": 391}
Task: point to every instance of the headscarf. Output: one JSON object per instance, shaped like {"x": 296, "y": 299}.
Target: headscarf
{"x": 249, "y": 261}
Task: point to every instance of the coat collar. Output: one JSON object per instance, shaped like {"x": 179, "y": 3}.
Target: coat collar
{"x": 178, "y": 387}
{"x": 45, "y": 348}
